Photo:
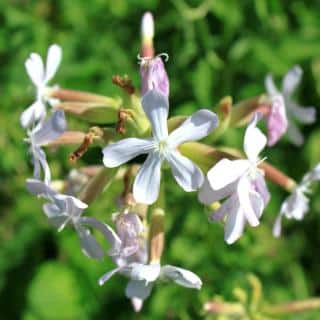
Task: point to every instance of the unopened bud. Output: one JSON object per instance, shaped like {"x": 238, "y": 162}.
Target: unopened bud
{"x": 242, "y": 111}
{"x": 93, "y": 112}
{"x": 147, "y": 34}
{"x": 147, "y": 26}
{"x": 154, "y": 75}
{"x": 156, "y": 237}
{"x": 206, "y": 156}
{"x": 224, "y": 110}
{"x": 97, "y": 184}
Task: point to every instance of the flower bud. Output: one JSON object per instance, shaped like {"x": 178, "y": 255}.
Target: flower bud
{"x": 147, "y": 34}
{"x": 156, "y": 244}
{"x": 154, "y": 76}
{"x": 99, "y": 113}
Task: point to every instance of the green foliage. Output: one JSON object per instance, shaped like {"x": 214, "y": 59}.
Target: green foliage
{"x": 221, "y": 48}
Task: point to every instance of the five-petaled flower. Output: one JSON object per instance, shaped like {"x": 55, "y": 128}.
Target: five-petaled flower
{"x": 161, "y": 147}
{"x": 243, "y": 185}
{"x": 284, "y": 107}
{"x": 143, "y": 276}
{"x": 64, "y": 209}
{"x": 41, "y": 135}
{"x": 296, "y": 204}
{"x": 40, "y": 75}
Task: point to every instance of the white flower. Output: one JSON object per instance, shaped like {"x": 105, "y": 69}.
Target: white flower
{"x": 161, "y": 147}
{"x": 242, "y": 183}
{"x": 63, "y": 209}
{"x": 40, "y": 76}
{"x": 41, "y": 135}
{"x": 305, "y": 115}
{"x": 143, "y": 276}
{"x": 297, "y": 204}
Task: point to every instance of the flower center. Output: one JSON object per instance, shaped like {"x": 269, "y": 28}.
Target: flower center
{"x": 162, "y": 148}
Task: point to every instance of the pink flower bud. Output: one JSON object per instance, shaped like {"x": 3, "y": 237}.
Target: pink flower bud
{"x": 154, "y": 76}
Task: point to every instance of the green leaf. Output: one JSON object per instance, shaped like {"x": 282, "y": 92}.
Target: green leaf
{"x": 54, "y": 293}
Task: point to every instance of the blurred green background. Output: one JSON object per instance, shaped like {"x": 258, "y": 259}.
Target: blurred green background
{"x": 218, "y": 48}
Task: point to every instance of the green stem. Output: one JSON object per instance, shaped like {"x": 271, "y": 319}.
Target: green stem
{"x": 292, "y": 307}
{"x": 79, "y": 96}
{"x": 225, "y": 308}
{"x": 97, "y": 185}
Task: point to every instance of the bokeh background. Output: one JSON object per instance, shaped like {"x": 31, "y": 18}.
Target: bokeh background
{"x": 216, "y": 48}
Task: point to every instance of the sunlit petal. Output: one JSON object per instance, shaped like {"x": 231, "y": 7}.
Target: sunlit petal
{"x": 196, "y": 127}
{"x": 118, "y": 153}
{"x": 156, "y": 107}
{"x": 147, "y": 182}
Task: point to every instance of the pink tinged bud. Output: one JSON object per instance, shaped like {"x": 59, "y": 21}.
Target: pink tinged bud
{"x": 147, "y": 34}
{"x": 147, "y": 26}
{"x": 277, "y": 121}
{"x": 154, "y": 76}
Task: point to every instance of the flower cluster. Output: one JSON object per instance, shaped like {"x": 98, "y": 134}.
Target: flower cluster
{"x": 226, "y": 179}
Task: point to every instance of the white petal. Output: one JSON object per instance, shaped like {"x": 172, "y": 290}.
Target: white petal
{"x": 39, "y": 188}
{"x": 261, "y": 187}
{"x": 186, "y": 173}
{"x": 35, "y": 69}
{"x": 115, "y": 154}
{"x": 270, "y": 86}
{"x": 108, "y": 275}
{"x": 137, "y": 304}
{"x": 196, "y": 127}
{"x": 234, "y": 225}
{"x": 72, "y": 202}
{"x": 89, "y": 244}
{"x": 51, "y": 129}
{"x": 33, "y": 113}
{"x": 257, "y": 203}
{"x": 276, "y": 231}
{"x": 312, "y": 176}
{"x": 226, "y": 208}
{"x": 305, "y": 115}
{"x": 254, "y": 140}
{"x": 108, "y": 233}
{"x": 40, "y": 157}
{"x": 52, "y": 210}
{"x": 291, "y": 80}
{"x": 146, "y": 185}
{"x": 207, "y": 195}
{"x": 156, "y": 107}
{"x": 56, "y": 217}
{"x": 146, "y": 272}
{"x": 138, "y": 289}
{"x": 294, "y": 134}
{"x": 296, "y": 205}
{"x": 53, "y": 61}
{"x": 226, "y": 172}
{"x": 181, "y": 276}
{"x": 244, "y": 191}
